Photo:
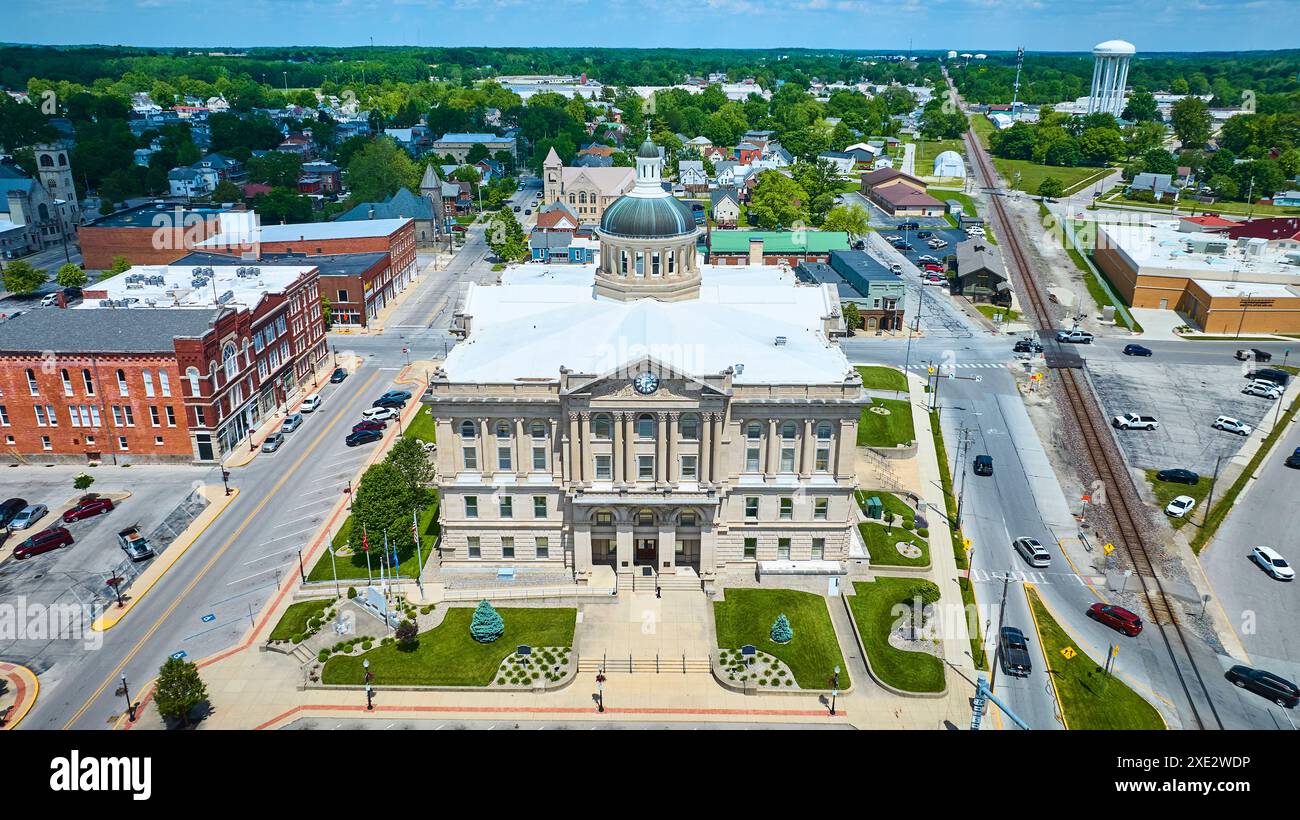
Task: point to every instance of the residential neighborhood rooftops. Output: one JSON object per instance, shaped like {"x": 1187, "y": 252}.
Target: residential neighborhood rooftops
{"x": 485, "y": 138}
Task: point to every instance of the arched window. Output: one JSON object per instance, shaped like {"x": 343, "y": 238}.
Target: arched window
{"x": 121, "y": 382}
{"x": 645, "y": 518}
{"x": 645, "y": 426}
{"x": 503, "y": 430}
{"x": 468, "y": 429}
{"x": 63, "y": 160}
{"x": 824, "y": 431}
{"x": 537, "y": 430}
{"x": 789, "y": 430}
{"x": 164, "y": 383}
{"x": 47, "y": 161}
{"x": 193, "y": 375}
{"x": 601, "y": 426}
{"x": 690, "y": 428}
{"x": 230, "y": 360}
{"x": 753, "y": 431}
{"x": 88, "y": 381}
{"x": 148, "y": 382}
{"x": 67, "y": 382}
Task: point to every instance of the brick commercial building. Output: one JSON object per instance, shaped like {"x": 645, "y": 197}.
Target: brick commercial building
{"x": 899, "y": 194}
{"x": 153, "y": 234}
{"x": 774, "y": 247}
{"x": 358, "y": 285}
{"x": 159, "y": 364}
{"x": 395, "y": 237}
{"x": 878, "y": 294}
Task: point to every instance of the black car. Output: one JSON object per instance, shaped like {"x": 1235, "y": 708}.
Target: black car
{"x": 338, "y": 375}
{"x": 903, "y": 246}
{"x": 9, "y": 509}
{"x": 1265, "y": 684}
{"x": 1028, "y": 346}
{"x": 404, "y": 395}
{"x": 1271, "y": 374}
{"x": 1013, "y": 650}
{"x": 1178, "y": 476}
{"x": 983, "y": 465}
{"x": 389, "y": 401}
{"x": 908, "y": 226}
{"x": 1136, "y": 350}
{"x": 363, "y": 437}
{"x": 924, "y": 234}
{"x": 1293, "y": 460}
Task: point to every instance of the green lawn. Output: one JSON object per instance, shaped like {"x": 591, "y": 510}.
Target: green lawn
{"x": 1032, "y": 174}
{"x": 880, "y": 542}
{"x": 883, "y": 378}
{"x": 294, "y": 620}
{"x": 874, "y": 615}
{"x": 1166, "y": 491}
{"x": 983, "y": 127}
{"x": 958, "y": 550}
{"x": 1089, "y": 698}
{"x": 886, "y": 429}
{"x": 448, "y": 656}
{"x": 422, "y": 426}
{"x": 893, "y": 505}
{"x": 1220, "y": 207}
{"x": 927, "y": 150}
{"x": 353, "y": 567}
{"x": 989, "y": 311}
{"x": 746, "y": 617}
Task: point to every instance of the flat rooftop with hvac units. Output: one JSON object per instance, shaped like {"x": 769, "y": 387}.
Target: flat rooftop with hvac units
{"x": 1223, "y": 278}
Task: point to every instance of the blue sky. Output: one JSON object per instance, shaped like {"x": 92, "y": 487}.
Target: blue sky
{"x": 965, "y": 25}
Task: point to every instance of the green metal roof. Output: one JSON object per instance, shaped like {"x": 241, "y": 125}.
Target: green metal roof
{"x": 662, "y": 216}
{"x": 780, "y": 241}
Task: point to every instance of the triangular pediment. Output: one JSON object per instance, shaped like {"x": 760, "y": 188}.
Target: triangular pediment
{"x": 670, "y": 382}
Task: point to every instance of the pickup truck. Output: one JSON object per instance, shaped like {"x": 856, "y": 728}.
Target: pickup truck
{"x": 1075, "y": 336}
{"x": 1132, "y": 421}
{"x": 135, "y": 545}
{"x": 1014, "y": 652}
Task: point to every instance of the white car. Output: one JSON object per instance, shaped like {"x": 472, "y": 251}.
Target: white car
{"x": 1034, "y": 553}
{"x": 1232, "y": 425}
{"x": 379, "y": 413}
{"x": 311, "y": 403}
{"x": 1264, "y": 389}
{"x": 1272, "y": 563}
{"x": 1180, "y": 506}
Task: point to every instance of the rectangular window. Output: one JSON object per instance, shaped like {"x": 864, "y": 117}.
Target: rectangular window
{"x": 783, "y": 549}
{"x": 539, "y": 458}
{"x": 158, "y": 440}
{"x": 787, "y": 459}
{"x": 72, "y": 416}
{"x": 471, "y": 458}
{"x": 53, "y": 417}
{"x": 154, "y": 418}
{"x": 121, "y": 443}
{"x": 45, "y": 443}
{"x": 787, "y": 509}
{"x": 645, "y": 468}
{"x": 751, "y": 508}
{"x": 40, "y": 415}
{"x": 199, "y": 417}
{"x": 689, "y": 465}
{"x": 117, "y": 415}
{"x": 148, "y": 383}
{"x": 507, "y": 547}
{"x": 130, "y": 416}
{"x": 471, "y": 506}
{"x": 604, "y": 468}
{"x": 539, "y": 506}
{"x": 823, "y": 460}
{"x": 171, "y": 416}
{"x": 752, "y": 459}
{"x": 820, "y": 506}
{"x": 818, "y": 549}
{"x": 604, "y": 519}
{"x": 343, "y": 296}
{"x": 543, "y": 547}
{"x": 31, "y": 382}
{"x": 507, "y": 507}
{"x": 503, "y": 457}
{"x": 4, "y": 416}
{"x": 751, "y": 548}
{"x": 472, "y": 547}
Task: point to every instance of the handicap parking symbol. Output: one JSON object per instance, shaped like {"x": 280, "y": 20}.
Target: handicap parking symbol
{"x": 178, "y": 655}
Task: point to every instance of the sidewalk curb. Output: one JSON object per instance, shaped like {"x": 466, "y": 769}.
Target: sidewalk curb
{"x": 866, "y": 661}
{"x": 22, "y": 673}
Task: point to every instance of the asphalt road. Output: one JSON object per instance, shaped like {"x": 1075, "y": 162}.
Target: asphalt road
{"x": 350, "y": 724}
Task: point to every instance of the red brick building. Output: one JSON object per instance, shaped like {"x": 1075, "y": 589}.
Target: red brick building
{"x": 162, "y": 371}
{"x": 152, "y": 234}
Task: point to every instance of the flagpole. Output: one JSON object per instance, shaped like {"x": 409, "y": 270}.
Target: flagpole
{"x": 365, "y": 546}
{"x": 419, "y": 559}
{"x": 335, "y": 568}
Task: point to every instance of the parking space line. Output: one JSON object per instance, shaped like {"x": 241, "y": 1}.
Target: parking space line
{"x": 270, "y": 554}
{"x": 290, "y": 535}
{"x": 292, "y": 521}
{"x": 262, "y": 572}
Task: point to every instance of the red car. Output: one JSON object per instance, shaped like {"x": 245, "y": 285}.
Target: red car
{"x": 368, "y": 424}
{"x": 43, "y": 541}
{"x": 932, "y": 267}
{"x": 1117, "y": 618}
{"x": 87, "y": 508}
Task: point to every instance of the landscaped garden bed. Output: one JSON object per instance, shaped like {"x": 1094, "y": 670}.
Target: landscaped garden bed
{"x": 888, "y": 641}
{"x": 762, "y": 669}
{"x": 746, "y": 618}
{"x": 302, "y": 620}
{"x": 546, "y": 664}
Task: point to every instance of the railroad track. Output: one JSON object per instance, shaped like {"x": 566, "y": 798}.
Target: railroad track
{"x": 1126, "y": 509}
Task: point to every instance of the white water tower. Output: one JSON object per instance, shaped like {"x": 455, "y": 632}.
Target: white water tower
{"x": 1110, "y": 76}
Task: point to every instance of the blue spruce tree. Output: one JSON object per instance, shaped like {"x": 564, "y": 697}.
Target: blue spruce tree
{"x": 487, "y": 625}
{"x": 781, "y": 631}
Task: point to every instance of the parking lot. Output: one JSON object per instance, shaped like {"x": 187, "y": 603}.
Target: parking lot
{"x": 1185, "y": 399}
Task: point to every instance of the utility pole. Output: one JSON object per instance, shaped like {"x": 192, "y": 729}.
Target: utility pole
{"x": 1209, "y": 496}
{"x": 965, "y": 438}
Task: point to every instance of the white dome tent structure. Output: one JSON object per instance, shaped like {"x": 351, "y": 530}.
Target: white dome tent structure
{"x": 949, "y": 164}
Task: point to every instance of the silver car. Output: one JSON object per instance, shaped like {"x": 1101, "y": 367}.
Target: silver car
{"x": 291, "y": 422}
{"x": 273, "y": 442}
{"x": 28, "y": 516}
{"x": 1034, "y": 553}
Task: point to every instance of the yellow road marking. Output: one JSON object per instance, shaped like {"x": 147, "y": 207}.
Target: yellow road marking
{"x": 113, "y": 676}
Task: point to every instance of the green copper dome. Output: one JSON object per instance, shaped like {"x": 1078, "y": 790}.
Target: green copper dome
{"x": 656, "y": 217}
{"x": 648, "y": 150}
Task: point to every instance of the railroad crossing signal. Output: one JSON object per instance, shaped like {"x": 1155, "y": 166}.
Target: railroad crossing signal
{"x": 1108, "y": 548}
{"x": 1068, "y": 653}
{"x": 930, "y": 370}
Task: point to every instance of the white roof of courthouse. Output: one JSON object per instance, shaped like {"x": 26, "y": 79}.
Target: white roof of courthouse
{"x": 543, "y": 317}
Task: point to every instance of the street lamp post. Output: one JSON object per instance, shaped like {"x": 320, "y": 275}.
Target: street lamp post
{"x": 600, "y": 690}
{"x": 225, "y": 480}
{"x": 834, "y": 693}
{"x": 301, "y": 571}
{"x": 130, "y": 707}
{"x": 370, "y": 693}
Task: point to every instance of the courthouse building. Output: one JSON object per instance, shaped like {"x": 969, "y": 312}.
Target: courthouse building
{"x": 647, "y": 412}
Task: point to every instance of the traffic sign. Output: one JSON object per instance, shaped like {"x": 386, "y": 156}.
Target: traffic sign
{"x": 1068, "y": 652}
{"x": 965, "y": 542}
{"x": 1108, "y": 548}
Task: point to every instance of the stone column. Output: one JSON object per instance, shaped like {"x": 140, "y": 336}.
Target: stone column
{"x": 674, "y": 469}
{"x": 844, "y": 452}
{"x": 487, "y": 454}
{"x": 582, "y": 549}
{"x": 667, "y": 563}
{"x": 448, "y": 459}
{"x": 571, "y": 455}
{"x": 623, "y": 546}
{"x": 718, "y": 422}
{"x": 708, "y": 547}
{"x": 770, "y": 465}
{"x": 618, "y": 477}
{"x": 661, "y": 449}
{"x": 557, "y": 460}
{"x": 523, "y": 454}
{"x": 806, "y": 450}
{"x": 629, "y": 442}
{"x": 705, "y": 467}
{"x": 584, "y": 455}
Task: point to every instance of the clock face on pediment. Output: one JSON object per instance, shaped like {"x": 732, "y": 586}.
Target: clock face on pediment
{"x": 645, "y": 383}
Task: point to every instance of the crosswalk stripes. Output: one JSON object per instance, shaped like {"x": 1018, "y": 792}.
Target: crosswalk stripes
{"x": 972, "y": 365}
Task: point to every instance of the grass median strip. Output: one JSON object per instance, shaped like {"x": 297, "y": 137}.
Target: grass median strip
{"x": 1090, "y": 698}
{"x": 746, "y": 617}
{"x": 448, "y": 656}
{"x": 958, "y": 550}
{"x": 877, "y": 607}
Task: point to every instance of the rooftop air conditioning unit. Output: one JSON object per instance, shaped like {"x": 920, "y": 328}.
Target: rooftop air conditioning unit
{"x": 780, "y": 341}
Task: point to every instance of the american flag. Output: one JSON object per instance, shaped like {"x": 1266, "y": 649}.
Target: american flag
{"x": 365, "y": 539}
{"x": 415, "y": 527}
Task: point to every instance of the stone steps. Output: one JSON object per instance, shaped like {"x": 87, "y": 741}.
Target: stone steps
{"x": 664, "y": 666}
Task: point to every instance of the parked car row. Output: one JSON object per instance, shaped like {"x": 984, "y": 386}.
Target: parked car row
{"x": 17, "y": 514}
{"x": 376, "y": 417}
